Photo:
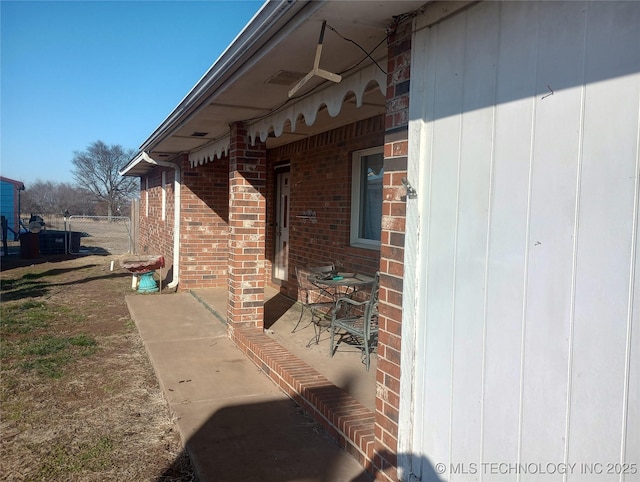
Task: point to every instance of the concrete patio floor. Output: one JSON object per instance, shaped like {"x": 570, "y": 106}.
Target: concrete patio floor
{"x": 345, "y": 369}
{"x": 235, "y": 423}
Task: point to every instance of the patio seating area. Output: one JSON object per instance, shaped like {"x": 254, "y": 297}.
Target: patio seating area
{"x": 345, "y": 369}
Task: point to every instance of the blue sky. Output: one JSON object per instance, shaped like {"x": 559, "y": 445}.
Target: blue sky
{"x": 73, "y": 72}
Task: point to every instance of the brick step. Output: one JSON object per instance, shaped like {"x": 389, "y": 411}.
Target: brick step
{"x": 349, "y": 422}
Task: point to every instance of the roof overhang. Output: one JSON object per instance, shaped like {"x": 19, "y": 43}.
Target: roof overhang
{"x": 251, "y": 80}
{"x": 139, "y": 165}
{"x": 19, "y": 185}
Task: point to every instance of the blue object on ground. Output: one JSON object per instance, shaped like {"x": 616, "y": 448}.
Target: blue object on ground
{"x": 147, "y": 283}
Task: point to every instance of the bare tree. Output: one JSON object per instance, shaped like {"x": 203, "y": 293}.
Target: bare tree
{"x": 75, "y": 200}
{"x": 47, "y": 197}
{"x": 39, "y": 198}
{"x": 96, "y": 169}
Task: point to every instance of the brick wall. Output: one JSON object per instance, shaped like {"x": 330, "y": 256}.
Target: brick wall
{"x": 203, "y": 222}
{"x": 321, "y": 182}
{"x": 204, "y": 236}
{"x": 392, "y": 254}
{"x": 156, "y": 235}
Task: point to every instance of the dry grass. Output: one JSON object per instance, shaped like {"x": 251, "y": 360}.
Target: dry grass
{"x": 79, "y": 398}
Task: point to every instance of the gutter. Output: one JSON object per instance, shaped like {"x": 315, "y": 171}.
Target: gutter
{"x": 144, "y": 157}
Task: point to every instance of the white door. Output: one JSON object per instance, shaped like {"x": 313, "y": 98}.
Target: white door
{"x": 280, "y": 266}
{"x": 521, "y": 321}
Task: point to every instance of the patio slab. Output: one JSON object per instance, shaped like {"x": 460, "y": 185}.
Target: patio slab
{"x": 345, "y": 369}
{"x": 183, "y": 320}
{"x": 199, "y": 369}
{"x": 234, "y": 422}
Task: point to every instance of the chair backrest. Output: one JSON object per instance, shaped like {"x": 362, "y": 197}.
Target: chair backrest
{"x": 323, "y": 269}
{"x": 303, "y": 274}
{"x": 371, "y": 308}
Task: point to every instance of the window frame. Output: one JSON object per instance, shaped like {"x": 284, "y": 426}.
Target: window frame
{"x": 356, "y": 207}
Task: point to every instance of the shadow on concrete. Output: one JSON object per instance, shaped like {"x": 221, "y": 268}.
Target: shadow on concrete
{"x": 275, "y": 307}
{"x": 272, "y": 441}
{"x": 278, "y": 442}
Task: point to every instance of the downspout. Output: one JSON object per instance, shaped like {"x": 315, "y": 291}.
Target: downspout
{"x": 176, "y": 215}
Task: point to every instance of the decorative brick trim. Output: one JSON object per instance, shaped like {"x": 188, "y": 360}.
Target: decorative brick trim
{"x": 349, "y": 422}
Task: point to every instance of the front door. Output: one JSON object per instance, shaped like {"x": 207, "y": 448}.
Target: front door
{"x": 280, "y": 265}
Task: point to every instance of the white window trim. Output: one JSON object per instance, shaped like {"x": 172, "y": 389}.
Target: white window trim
{"x": 356, "y": 163}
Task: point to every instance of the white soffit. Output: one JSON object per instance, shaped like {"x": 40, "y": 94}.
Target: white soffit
{"x": 332, "y": 96}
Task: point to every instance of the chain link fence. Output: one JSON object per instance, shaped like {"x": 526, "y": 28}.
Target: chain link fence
{"x": 99, "y": 235}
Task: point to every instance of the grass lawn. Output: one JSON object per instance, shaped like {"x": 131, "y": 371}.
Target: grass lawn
{"x": 78, "y": 397}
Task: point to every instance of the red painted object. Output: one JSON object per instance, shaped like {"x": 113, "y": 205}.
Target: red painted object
{"x": 142, "y": 264}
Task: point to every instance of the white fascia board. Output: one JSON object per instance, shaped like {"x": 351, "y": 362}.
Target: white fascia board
{"x": 133, "y": 167}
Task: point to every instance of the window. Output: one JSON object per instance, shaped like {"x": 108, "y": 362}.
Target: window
{"x": 366, "y": 198}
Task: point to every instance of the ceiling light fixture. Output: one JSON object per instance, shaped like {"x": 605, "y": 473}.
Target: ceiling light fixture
{"x": 316, "y": 71}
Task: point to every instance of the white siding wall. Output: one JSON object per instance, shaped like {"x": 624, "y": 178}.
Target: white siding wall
{"x": 521, "y": 333}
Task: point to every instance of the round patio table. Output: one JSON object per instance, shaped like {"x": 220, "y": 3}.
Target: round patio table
{"x": 351, "y": 282}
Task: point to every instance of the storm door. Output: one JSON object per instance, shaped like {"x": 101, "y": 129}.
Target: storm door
{"x": 281, "y": 261}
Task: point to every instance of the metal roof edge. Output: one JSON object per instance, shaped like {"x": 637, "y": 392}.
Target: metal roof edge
{"x": 18, "y": 184}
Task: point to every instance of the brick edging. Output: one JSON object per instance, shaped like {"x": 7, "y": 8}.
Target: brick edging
{"x": 349, "y": 422}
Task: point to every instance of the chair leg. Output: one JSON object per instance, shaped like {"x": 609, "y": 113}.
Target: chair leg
{"x": 317, "y": 329}
{"x": 333, "y": 334}
{"x": 300, "y": 319}
{"x": 367, "y": 353}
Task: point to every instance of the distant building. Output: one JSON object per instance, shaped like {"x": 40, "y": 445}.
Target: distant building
{"x": 10, "y": 202}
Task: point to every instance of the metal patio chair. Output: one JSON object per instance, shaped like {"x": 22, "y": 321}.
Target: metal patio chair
{"x": 356, "y": 322}
{"x": 317, "y": 299}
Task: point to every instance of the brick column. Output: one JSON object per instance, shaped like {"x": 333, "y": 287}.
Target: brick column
{"x": 392, "y": 253}
{"x": 247, "y": 229}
